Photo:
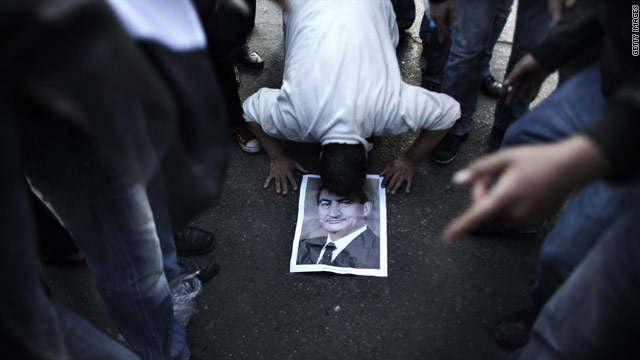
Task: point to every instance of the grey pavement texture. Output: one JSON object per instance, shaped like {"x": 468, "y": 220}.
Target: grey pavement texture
{"x": 438, "y": 302}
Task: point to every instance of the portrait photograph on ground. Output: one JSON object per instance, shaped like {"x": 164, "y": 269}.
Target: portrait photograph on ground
{"x": 341, "y": 233}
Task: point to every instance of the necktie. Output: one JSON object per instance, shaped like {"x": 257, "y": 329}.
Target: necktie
{"x": 328, "y": 253}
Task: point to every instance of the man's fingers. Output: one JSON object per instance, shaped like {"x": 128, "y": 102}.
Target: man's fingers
{"x": 479, "y": 212}
{"x": 409, "y": 180}
{"x": 555, "y": 10}
{"x": 292, "y": 180}
{"x": 268, "y": 181}
{"x": 395, "y": 183}
{"x": 384, "y": 172}
{"x": 285, "y": 185}
{"x": 487, "y": 166}
{"x": 480, "y": 189}
{"x": 277, "y": 181}
{"x": 388, "y": 174}
{"x": 398, "y": 184}
{"x": 300, "y": 168}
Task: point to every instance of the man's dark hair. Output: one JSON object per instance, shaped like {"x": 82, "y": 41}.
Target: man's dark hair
{"x": 360, "y": 194}
{"x": 343, "y": 168}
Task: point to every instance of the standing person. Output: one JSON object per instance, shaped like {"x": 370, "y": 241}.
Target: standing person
{"x": 435, "y": 53}
{"x": 472, "y": 26}
{"x": 212, "y": 15}
{"x": 237, "y": 19}
{"x": 103, "y": 135}
{"x": 591, "y": 124}
{"x": 348, "y": 91}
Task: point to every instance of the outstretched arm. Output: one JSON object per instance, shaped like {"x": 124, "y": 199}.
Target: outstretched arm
{"x": 404, "y": 168}
{"x": 281, "y": 168}
{"x": 526, "y": 183}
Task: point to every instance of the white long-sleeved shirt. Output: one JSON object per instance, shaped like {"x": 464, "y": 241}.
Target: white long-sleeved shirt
{"x": 342, "y": 81}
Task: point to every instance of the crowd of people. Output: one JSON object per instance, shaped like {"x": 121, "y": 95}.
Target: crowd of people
{"x": 118, "y": 114}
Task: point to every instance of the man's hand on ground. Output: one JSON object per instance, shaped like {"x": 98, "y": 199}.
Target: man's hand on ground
{"x": 281, "y": 170}
{"x": 525, "y": 184}
{"x": 524, "y": 80}
{"x": 397, "y": 172}
{"x": 439, "y": 14}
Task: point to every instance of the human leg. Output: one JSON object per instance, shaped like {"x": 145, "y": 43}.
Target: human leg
{"x": 31, "y": 326}
{"x": 488, "y": 84}
{"x": 462, "y": 72}
{"x": 532, "y": 21}
{"x": 107, "y": 211}
{"x": 503, "y": 9}
{"x": 589, "y": 212}
{"x": 435, "y": 55}
{"x": 594, "y": 315}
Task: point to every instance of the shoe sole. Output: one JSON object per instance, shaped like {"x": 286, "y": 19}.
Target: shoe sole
{"x": 250, "y": 150}
{"x": 444, "y": 162}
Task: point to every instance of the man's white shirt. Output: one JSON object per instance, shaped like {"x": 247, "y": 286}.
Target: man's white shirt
{"x": 342, "y": 81}
{"x": 340, "y": 243}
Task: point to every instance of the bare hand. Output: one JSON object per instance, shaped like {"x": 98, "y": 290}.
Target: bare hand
{"x": 281, "y": 170}
{"x": 524, "y": 80}
{"x": 397, "y": 172}
{"x": 557, "y": 7}
{"x": 530, "y": 182}
{"x": 439, "y": 14}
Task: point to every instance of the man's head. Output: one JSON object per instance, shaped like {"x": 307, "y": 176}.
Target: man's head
{"x": 342, "y": 214}
{"x": 343, "y": 167}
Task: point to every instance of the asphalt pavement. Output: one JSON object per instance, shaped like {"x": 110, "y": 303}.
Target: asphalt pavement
{"x": 438, "y": 302}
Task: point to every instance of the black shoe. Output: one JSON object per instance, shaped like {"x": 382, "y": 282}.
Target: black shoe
{"x": 430, "y": 85}
{"x": 193, "y": 241}
{"x": 513, "y": 330}
{"x": 490, "y": 86}
{"x": 249, "y": 57}
{"x": 495, "y": 139}
{"x": 205, "y": 263}
{"x": 447, "y": 149}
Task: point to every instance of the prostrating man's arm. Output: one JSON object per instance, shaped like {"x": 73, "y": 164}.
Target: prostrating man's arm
{"x": 404, "y": 168}
{"x": 281, "y": 168}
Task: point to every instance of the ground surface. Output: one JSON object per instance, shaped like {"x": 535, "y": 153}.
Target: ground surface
{"x": 438, "y": 302}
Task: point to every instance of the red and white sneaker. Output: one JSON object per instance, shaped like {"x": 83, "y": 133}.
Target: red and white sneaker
{"x": 245, "y": 138}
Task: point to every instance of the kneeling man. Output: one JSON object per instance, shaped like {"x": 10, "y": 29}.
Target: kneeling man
{"x": 342, "y": 85}
{"x": 349, "y": 242}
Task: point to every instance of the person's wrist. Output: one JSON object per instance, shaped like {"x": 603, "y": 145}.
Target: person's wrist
{"x": 582, "y": 159}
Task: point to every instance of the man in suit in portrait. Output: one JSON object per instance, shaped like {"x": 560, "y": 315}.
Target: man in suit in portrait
{"x": 349, "y": 243}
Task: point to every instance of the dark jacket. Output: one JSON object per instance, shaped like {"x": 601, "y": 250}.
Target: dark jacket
{"x": 363, "y": 252}
{"x": 610, "y": 22}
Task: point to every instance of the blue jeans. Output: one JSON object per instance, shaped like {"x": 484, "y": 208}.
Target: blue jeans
{"x": 32, "y": 326}
{"x": 128, "y": 244}
{"x": 476, "y": 28}
{"x": 595, "y": 313}
{"x": 437, "y": 53}
{"x": 572, "y": 107}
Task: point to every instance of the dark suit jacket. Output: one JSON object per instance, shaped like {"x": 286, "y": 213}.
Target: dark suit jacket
{"x": 362, "y": 252}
